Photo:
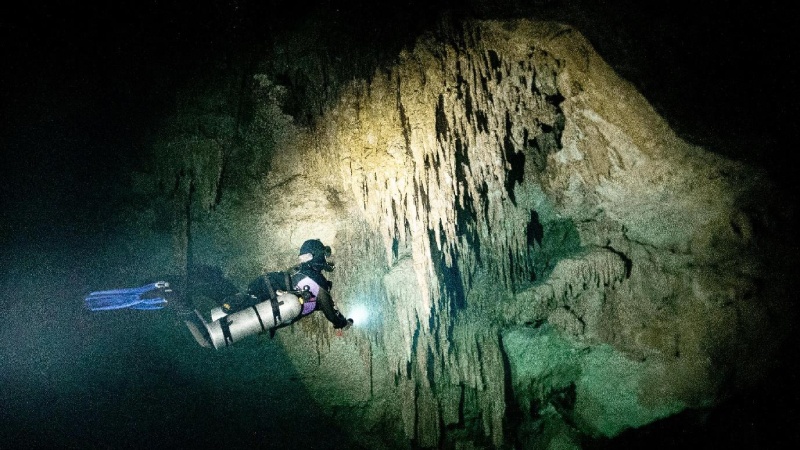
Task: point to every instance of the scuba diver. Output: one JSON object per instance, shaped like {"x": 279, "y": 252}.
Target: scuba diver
{"x": 273, "y": 300}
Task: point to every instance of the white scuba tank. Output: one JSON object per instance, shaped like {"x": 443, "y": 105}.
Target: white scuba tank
{"x": 226, "y": 329}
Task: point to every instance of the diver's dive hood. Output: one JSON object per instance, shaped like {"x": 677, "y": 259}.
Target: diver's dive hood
{"x": 316, "y": 255}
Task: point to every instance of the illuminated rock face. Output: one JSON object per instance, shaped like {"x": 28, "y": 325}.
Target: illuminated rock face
{"x": 529, "y": 238}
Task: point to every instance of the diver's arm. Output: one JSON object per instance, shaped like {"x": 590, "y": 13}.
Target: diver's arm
{"x": 325, "y": 303}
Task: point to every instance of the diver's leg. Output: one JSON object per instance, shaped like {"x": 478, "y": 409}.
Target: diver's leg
{"x": 197, "y": 327}
{"x": 190, "y": 317}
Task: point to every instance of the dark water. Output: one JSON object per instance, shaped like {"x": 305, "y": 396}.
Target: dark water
{"x": 70, "y": 378}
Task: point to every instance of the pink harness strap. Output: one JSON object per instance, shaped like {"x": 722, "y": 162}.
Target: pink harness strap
{"x": 311, "y": 304}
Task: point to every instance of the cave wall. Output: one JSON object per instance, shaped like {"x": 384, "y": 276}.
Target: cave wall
{"x": 542, "y": 258}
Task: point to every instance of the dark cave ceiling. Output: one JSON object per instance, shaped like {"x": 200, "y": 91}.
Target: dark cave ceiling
{"x": 94, "y": 76}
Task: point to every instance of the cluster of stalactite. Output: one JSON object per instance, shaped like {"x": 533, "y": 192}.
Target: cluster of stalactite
{"x": 484, "y": 181}
{"x": 455, "y": 157}
{"x": 435, "y": 149}
{"x": 442, "y": 153}
{"x": 572, "y": 277}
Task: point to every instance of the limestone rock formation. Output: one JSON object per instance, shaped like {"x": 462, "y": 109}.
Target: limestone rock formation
{"x": 531, "y": 240}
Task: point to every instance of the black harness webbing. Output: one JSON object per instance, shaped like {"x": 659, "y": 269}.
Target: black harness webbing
{"x": 260, "y": 320}
{"x": 270, "y": 291}
{"x": 226, "y": 331}
{"x": 276, "y": 310}
{"x": 273, "y": 300}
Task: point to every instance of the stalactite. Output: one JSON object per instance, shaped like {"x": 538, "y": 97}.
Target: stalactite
{"x": 401, "y": 290}
{"x": 182, "y": 228}
{"x": 474, "y": 362}
{"x": 191, "y": 156}
{"x": 599, "y": 269}
{"x": 427, "y": 432}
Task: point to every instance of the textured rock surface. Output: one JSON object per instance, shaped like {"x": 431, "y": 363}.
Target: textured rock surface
{"x": 530, "y": 238}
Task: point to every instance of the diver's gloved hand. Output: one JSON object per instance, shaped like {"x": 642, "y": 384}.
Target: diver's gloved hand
{"x": 348, "y": 324}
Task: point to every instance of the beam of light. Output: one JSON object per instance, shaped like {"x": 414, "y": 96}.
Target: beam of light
{"x": 359, "y": 314}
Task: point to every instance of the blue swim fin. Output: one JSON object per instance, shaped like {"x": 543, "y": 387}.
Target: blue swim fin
{"x": 148, "y": 297}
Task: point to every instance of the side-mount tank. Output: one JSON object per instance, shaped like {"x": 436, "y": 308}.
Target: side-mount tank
{"x": 256, "y": 319}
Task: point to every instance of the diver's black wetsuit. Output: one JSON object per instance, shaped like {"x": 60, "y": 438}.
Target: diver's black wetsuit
{"x": 263, "y": 287}
{"x": 262, "y": 309}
